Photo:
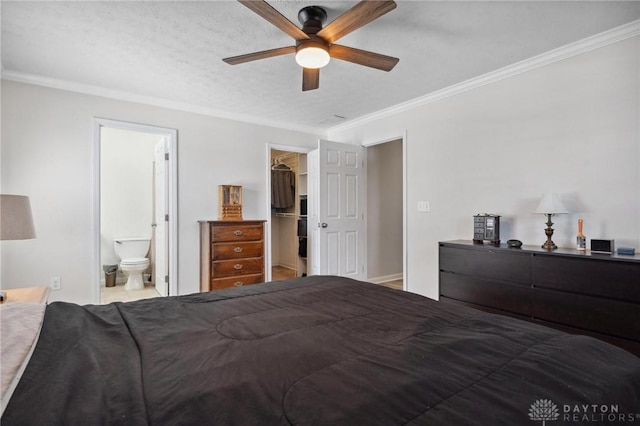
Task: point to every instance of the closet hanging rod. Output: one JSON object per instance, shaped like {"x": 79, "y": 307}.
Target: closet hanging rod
{"x": 279, "y": 158}
{"x": 281, "y": 166}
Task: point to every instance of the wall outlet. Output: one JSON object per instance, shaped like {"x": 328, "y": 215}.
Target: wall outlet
{"x": 423, "y": 206}
{"x": 55, "y": 283}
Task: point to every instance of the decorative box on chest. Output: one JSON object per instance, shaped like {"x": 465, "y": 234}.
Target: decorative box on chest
{"x": 231, "y": 253}
{"x": 230, "y": 202}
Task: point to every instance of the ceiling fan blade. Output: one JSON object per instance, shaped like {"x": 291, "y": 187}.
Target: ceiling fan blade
{"x": 240, "y": 59}
{"x": 310, "y": 79}
{"x": 266, "y": 11}
{"x": 363, "y": 57}
{"x": 354, "y": 18}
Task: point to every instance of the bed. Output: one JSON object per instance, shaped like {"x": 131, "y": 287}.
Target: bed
{"x": 314, "y": 350}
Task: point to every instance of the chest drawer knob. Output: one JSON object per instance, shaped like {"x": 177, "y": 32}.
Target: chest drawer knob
{"x": 237, "y": 266}
{"x": 238, "y": 232}
{"x": 238, "y": 249}
{"x": 238, "y": 284}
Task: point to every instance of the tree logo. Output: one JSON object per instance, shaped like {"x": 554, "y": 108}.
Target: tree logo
{"x": 544, "y": 409}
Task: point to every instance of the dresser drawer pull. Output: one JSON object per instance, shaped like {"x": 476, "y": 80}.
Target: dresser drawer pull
{"x": 238, "y": 284}
{"x": 237, "y": 232}
{"x": 238, "y": 249}
{"x": 237, "y": 266}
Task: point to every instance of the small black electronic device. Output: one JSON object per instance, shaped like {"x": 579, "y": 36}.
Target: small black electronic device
{"x": 601, "y": 246}
{"x": 486, "y": 227}
{"x": 514, "y": 243}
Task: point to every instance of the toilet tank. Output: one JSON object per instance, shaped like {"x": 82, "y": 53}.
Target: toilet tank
{"x": 131, "y": 247}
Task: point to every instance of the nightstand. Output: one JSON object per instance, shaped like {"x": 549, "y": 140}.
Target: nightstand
{"x": 38, "y": 295}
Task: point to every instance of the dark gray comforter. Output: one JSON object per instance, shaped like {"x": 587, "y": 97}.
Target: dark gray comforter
{"x": 317, "y": 350}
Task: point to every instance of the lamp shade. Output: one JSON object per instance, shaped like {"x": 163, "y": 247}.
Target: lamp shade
{"x": 551, "y": 204}
{"x": 16, "y": 221}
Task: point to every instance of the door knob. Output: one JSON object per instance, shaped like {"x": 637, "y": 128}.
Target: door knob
{"x": 322, "y": 225}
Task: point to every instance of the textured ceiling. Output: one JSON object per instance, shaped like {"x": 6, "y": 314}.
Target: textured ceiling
{"x": 172, "y": 51}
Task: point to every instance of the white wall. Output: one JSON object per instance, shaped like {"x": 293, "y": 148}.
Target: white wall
{"x": 571, "y": 127}
{"x": 47, "y": 153}
{"x": 126, "y": 187}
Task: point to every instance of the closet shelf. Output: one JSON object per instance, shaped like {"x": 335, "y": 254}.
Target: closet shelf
{"x": 285, "y": 214}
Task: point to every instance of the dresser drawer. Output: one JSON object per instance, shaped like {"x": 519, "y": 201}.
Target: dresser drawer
{"x": 231, "y": 282}
{"x": 231, "y": 268}
{"x": 226, "y": 233}
{"x": 612, "y": 317}
{"x": 485, "y": 263}
{"x": 239, "y": 250}
{"x": 513, "y": 298}
{"x": 602, "y": 278}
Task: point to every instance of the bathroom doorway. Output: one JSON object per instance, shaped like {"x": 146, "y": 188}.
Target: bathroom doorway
{"x": 136, "y": 184}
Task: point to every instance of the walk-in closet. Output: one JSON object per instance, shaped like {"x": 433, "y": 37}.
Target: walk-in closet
{"x": 288, "y": 214}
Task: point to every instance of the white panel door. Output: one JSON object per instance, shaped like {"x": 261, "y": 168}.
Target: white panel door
{"x": 161, "y": 246}
{"x": 337, "y": 191}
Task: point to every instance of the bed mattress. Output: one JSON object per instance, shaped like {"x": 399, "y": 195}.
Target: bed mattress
{"x": 316, "y": 350}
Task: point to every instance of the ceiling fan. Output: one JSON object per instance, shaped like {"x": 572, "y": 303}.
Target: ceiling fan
{"x": 314, "y": 44}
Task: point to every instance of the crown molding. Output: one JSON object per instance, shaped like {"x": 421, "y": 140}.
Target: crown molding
{"x": 87, "y": 89}
{"x": 615, "y": 35}
{"x": 597, "y": 41}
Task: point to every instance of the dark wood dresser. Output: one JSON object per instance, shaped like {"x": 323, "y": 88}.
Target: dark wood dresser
{"x": 581, "y": 293}
{"x": 231, "y": 253}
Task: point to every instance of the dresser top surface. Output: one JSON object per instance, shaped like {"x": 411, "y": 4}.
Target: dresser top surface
{"x": 537, "y": 250}
{"x": 233, "y": 222}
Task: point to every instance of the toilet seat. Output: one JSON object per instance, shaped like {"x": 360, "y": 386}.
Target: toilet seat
{"x": 135, "y": 261}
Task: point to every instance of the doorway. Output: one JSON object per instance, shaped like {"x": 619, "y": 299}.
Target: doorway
{"x": 135, "y": 204}
{"x": 286, "y": 225}
{"x": 385, "y": 214}
{"x": 394, "y": 273}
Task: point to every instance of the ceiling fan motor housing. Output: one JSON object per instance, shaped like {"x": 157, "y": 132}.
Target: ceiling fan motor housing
{"x": 312, "y": 18}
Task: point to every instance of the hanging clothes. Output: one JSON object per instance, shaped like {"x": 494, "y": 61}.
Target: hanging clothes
{"x": 283, "y": 188}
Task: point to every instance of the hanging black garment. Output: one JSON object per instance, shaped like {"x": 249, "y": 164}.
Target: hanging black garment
{"x": 302, "y": 227}
{"x": 302, "y": 247}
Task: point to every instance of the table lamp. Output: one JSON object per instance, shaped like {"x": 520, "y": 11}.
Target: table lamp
{"x": 16, "y": 221}
{"x": 550, "y": 205}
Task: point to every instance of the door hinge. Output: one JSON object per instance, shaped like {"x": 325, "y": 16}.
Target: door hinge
{"x": 166, "y": 156}
{"x": 166, "y": 218}
{"x": 166, "y": 279}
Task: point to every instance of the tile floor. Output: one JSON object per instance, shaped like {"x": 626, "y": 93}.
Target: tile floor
{"x": 119, "y": 294}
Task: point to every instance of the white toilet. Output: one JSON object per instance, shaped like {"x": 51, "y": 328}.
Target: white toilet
{"x": 132, "y": 252}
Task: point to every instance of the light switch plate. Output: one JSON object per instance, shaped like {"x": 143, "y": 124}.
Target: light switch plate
{"x": 423, "y": 206}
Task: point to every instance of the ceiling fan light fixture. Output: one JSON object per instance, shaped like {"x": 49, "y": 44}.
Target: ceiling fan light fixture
{"x": 312, "y": 54}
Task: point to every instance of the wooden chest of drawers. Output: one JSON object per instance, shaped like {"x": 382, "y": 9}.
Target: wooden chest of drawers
{"x": 231, "y": 253}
